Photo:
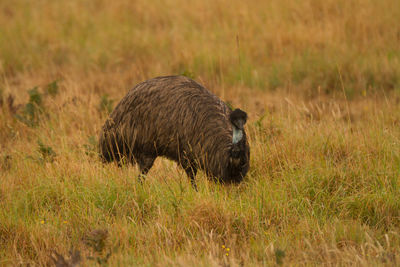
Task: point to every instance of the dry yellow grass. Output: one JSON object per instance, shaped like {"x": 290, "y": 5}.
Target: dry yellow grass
{"x": 320, "y": 81}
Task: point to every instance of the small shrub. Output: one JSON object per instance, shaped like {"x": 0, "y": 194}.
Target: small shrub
{"x": 258, "y": 123}
{"x": 32, "y": 109}
{"x": 274, "y": 78}
{"x": 279, "y": 255}
{"x": 188, "y": 73}
{"x": 52, "y": 88}
{"x": 106, "y": 104}
{"x": 47, "y": 152}
{"x": 91, "y": 146}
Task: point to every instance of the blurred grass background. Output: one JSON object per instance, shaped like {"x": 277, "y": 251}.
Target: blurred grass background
{"x": 320, "y": 81}
{"x": 267, "y": 45}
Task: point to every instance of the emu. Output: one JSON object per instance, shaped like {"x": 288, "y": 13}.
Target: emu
{"x": 177, "y": 118}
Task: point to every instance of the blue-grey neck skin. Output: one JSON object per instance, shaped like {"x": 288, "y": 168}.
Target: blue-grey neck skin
{"x": 237, "y": 135}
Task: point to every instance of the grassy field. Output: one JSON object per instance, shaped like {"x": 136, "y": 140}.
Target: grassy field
{"x": 320, "y": 81}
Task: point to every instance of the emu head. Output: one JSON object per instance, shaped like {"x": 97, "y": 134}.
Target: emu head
{"x": 239, "y": 154}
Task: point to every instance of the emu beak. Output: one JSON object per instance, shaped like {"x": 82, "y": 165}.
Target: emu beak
{"x": 239, "y": 124}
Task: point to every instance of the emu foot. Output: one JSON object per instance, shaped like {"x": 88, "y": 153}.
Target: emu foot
{"x": 194, "y": 185}
{"x": 141, "y": 178}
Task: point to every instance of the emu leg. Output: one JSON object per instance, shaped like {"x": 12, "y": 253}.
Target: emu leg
{"x": 145, "y": 164}
{"x": 191, "y": 173}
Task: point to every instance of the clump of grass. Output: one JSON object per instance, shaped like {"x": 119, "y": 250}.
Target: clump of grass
{"x": 1, "y": 97}
{"x": 5, "y": 163}
{"x": 74, "y": 259}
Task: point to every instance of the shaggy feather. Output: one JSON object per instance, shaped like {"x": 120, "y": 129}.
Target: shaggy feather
{"x": 175, "y": 117}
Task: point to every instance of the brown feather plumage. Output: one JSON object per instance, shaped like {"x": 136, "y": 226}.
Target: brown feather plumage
{"x": 175, "y": 117}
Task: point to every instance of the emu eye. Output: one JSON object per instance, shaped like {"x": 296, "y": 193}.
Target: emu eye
{"x": 239, "y": 124}
{"x": 238, "y": 118}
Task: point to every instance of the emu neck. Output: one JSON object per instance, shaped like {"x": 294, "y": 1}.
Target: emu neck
{"x": 237, "y": 135}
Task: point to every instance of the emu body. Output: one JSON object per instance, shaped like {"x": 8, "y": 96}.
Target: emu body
{"x": 179, "y": 119}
